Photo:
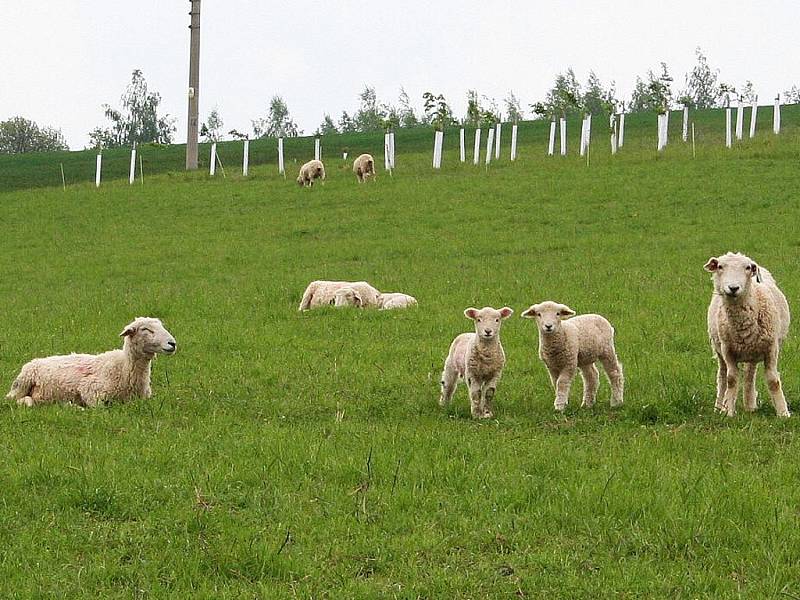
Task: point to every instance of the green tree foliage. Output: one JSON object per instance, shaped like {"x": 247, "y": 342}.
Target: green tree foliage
{"x": 137, "y": 120}
{"x": 211, "y": 130}
{"x": 702, "y": 88}
{"x": 597, "y": 99}
{"x": 18, "y": 135}
{"x": 655, "y": 94}
{"x": 278, "y": 122}
{"x": 370, "y": 115}
{"x": 563, "y": 99}
{"x": 437, "y": 111}
{"x": 513, "y": 108}
{"x": 327, "y": 126}
{"x": 405, "y": 111}
{"x": 792, "y": 95}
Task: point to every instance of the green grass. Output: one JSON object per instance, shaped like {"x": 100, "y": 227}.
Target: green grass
{"x": 238, "y": 480}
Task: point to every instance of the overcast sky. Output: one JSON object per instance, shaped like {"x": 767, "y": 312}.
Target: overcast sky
{"x": 61, "y": 60}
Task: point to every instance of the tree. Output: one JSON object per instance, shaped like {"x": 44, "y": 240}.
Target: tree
{"x": 18, "y": 135}
{"x": 702, "y": 89}
{"x": 748, "y": 94}
{"x": 437, "y": 111}
{"x": 369, "y": 116}
{"x": 327, "y": 126}
{"x": 513, "y": 108}
{"x": 346, "y": 123}
{"x": 473, "y": 117}
{"x": 792, "y": 95}
{"x": 563, "y": 99}
{"x": 406, "y": 111}
{"x": 598, "y": 100}
{"x": 212, "y": 128}
{"x": 278, "y": 122}
{"x": 653, "y": 95}
{"x": 137, "y": 121}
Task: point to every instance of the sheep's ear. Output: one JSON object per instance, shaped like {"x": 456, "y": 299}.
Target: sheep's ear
{"x": 754, "y": 272}
{"x": 359, "y": 300}
{"x": 529, "y": 313}
{"x": 471, "y": 313}
{"x": 712, "y": 264}
{"x": 565, "y": 311}
{"x": 128, "y": 331}
{"x": 506, "y": 312}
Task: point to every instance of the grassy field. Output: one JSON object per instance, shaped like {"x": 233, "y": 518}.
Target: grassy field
{"x": 304, "y": 455}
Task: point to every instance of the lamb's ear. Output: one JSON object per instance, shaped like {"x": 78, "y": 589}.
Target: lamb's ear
{"x": 506, "y": 312}
{"x": 712, "y": 264}
{"x": 529, "y": 313}
{"x": 128, "y": 331}
{"x": 755, "y": 272}
{"x": 471, "y": 313}
{"x": 565, "y": 311}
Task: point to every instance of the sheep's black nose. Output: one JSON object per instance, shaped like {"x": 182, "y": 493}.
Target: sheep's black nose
{"x": 733, "y": 288}
{"x": 171, "y": 344}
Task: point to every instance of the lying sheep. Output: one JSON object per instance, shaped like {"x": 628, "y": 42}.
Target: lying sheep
{"x": 578, "y": 343}
{"x": 748, "y": 319}
{"x": 478, "y": 359}
{"x": 364, "y": 167}
{"x": 348, "y": 296}
{"x": 322, "y": 293}
{"x": 310, "y": 172}
{"x": 392, "y": 300}
{"x": 89, "y": 379}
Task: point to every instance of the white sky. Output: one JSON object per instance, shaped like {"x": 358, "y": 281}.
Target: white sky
{"x": 60, "y": 60}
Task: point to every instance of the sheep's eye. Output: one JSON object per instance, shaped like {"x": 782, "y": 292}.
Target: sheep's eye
{"x": 146, "y": 329}
{"x": 747, "y": 268}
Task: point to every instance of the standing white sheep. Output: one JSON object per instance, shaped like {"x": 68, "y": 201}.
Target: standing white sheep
{"x": 310, "y": 172}
{"x": 323, "y": 293}
{"x": 578, "y": 343}
{"x": 748, "y": 319}
{"x": 364, "y": 167}
{"x": 478, "y": 359}
{"x": 90, "y": 379}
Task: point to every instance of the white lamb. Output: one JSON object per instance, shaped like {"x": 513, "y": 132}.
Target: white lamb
{"x": 364, "y": 167}
{"x": 478, "y": 359}
{"x": 323, "y": 293}
{"x": 392, "y": 300}
{"x": 578, "y": 343}
{"x": 91, "y": 379}
{"x": 748, "y": 319}
{"x": 310, "y": 172}
{"x": 347, "y": 296}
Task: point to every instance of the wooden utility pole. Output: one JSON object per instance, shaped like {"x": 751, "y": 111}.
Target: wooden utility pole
{"x": 194, "y": 85}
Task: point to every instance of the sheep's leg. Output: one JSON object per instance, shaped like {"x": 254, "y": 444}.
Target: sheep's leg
{"x": 449, "y": 383}
{"x": 488, "y": 398}
{"x": 722, "y": 384}
{"x": 563, "y": 383}
{"x": 475, "y": 397}
{"x": 774, "y": 384}
{"x": 591, "y": 379}
{"x": 613, "y": 369}
{"x": 732, "y": 385}
{"x": 750, "y": 393}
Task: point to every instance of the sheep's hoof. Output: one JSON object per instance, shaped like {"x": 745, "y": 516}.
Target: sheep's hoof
{"x": 487, "y": 415}
{"x": 560, "y": 408}
{"x": 785, "y": 415}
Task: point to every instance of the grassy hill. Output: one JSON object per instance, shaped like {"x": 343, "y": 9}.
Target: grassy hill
{"x": 304, "y": 455}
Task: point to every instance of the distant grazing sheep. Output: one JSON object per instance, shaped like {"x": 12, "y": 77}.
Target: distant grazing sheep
{"x": 323, "y": 293}
{"x": 577, "y": 343}
{"x": 364, "y": 167}
{"x": 392, "y": 300}
{"x": 310, "y": 172}
{"x": 478, "y": 359}
{"x": 91, "y": 379}
{"x": 748, "y": 319}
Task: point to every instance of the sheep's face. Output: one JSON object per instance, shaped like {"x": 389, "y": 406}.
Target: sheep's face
{"x": 732, "y": 274}
{"x": 348, "y": 297}
{"x": 548, "y": 316}
{"x": 149, "y": 336}
{"x": 488, "y": 320}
